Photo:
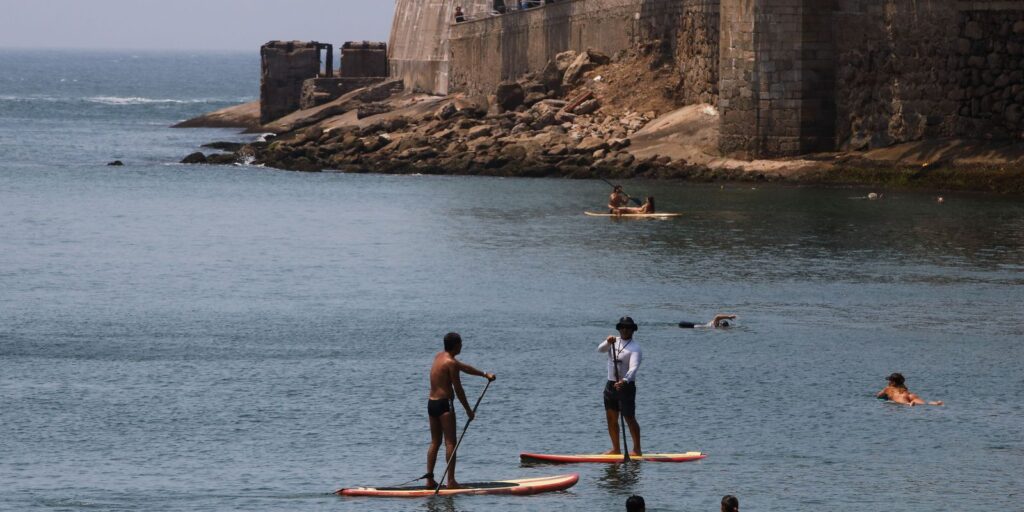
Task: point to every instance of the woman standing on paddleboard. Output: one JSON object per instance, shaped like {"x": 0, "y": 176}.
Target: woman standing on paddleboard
{"x": 624, "y": 357}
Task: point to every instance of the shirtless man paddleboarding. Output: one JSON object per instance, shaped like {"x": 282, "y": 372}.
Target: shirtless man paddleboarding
{"x": 617, "y": 199}
{"x": 444, "y": 384}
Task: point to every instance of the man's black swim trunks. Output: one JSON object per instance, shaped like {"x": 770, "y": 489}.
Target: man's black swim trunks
{"x": 435, "y": 408}
{"x": 627, "y": 396}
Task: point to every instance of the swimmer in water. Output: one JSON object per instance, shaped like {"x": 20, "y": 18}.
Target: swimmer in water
{"x": 896, "y": 391}
{"x": 719, "y": 322}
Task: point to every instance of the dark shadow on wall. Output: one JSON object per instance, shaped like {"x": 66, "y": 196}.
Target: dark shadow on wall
{"x": 818, "y": 80}
{"x": 659, "y": 25}
{"x": 557, "y": 28}
{"x": 514, "y": 44}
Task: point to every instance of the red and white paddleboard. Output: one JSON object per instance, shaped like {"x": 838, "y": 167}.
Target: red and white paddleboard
{"x": 599, "y": 458}
{"x": 519, "y": 487}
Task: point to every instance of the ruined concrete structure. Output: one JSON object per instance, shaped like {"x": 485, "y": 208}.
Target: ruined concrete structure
{"x": 363, "y": 63}
{"x": 285, "y": 66}
{"x": 292, "y": 76}
{"x": 788, "y": 76}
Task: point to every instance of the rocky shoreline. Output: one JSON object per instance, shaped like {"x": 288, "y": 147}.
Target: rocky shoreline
{"x": 576, "y": 119}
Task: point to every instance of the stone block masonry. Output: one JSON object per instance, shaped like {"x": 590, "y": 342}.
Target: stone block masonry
{"x": 285, "y": 66}
{"x": 928, "y": 68}
{"x": 777, "y": 77}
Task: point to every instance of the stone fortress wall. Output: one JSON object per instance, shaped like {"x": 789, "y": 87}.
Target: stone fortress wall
{"x": 788, "y": 76}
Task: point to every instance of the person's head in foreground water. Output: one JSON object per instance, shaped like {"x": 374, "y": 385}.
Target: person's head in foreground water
{"x": 730, "y": 503}
{"x": 635, "y": 504}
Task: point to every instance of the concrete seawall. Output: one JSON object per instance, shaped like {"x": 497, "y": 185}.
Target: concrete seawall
{"x": 418, "y": 48}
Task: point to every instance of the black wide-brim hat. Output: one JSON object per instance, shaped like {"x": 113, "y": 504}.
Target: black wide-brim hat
{"x": 627, "y": 323}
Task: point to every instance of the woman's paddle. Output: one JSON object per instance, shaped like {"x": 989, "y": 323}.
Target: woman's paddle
{"x": 451, "y": 456}
{"x": 622, "y": 419}
{"x": 635, "y": 200}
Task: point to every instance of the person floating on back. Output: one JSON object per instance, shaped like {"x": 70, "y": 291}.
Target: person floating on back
{"x": 624, "y": 358}
{"x": 636, "y": 504}
{"x": 896, "y": 391}
{"x": 719, "y": 322}
{"x": 444, "y": 383}
{"x": 730, "y": 503}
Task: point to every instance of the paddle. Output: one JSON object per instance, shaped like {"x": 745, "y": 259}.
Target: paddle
{"x": 622, "y": 419}
{"x": 451, "y": 456}
{"x": 635, "y": 200}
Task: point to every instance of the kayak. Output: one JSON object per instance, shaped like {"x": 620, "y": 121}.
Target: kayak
{"x": 635, "y": 215}
{"x": 521, "y": 487}
{"x": 647, "y": 457}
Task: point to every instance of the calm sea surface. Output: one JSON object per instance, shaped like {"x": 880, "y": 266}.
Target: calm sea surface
{"x": 238, "y": 338}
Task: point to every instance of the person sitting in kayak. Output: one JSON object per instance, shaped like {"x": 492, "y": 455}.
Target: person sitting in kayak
{"x": 646, "y": 208}
{"x": 896, "y": 391}
{"x": 617, "y": 200}
{"x": 720, "y": 322}
{"x": 444, "y": 382}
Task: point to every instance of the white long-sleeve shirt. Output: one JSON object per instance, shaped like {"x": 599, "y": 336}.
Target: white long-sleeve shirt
{"x": 629, "y": 355}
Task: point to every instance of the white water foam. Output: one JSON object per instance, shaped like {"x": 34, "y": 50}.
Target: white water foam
{"x": 135, "y": 100}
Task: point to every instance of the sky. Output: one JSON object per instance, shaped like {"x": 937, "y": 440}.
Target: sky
{"x": 225, "y": 25}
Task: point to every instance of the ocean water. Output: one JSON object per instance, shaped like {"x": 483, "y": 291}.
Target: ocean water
{"x": 240, "y": 338}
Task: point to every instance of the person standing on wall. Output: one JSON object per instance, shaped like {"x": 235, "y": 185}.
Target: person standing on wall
{"x": 624, "y": 358}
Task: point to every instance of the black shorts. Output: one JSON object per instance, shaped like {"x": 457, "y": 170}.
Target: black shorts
{"x": 687, "y": 325}
{"x": 626, "y": 397}
{"x": 435, "y": 408}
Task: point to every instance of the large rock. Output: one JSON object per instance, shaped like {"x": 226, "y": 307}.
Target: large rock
{"x": 587, "y": 107}
{"x": 564, "y": 60}
{"x": 478, "y": 131}
{"x": 509, "y": 95}
{"x": 194, "y": 158}
{"x": 372, "y": 109}
{"x": 551, "y": 77}
{"x": 472, "y": 106}
{"x": 590, "y": 144}
{"x": 584, "y": 62}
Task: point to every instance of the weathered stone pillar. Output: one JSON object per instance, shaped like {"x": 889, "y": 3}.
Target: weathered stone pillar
{"x": 285, "y": 65}
{"x": 777, "y": 77}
